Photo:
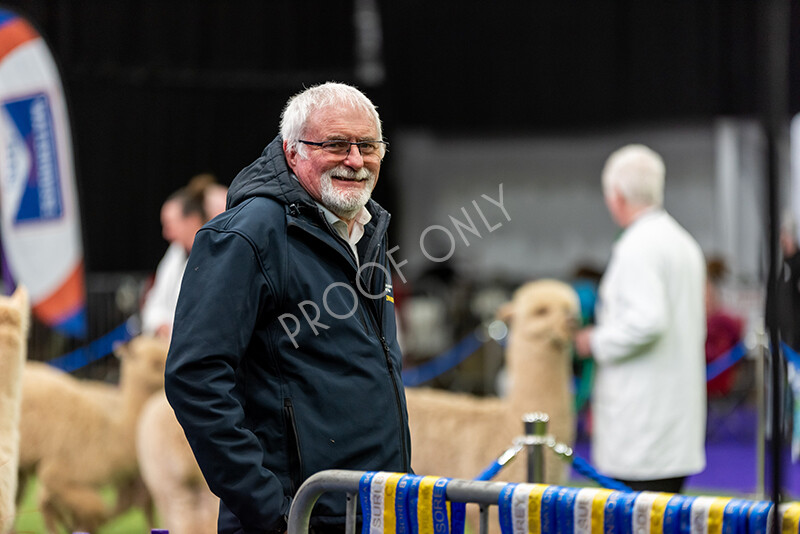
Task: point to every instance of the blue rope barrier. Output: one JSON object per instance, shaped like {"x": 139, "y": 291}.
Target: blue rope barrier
{"x": 579, "y": 464}
{"x": 446, "y": 361}
{"x": 725, "y": 361}
{"x": 584, "y": 468}
{"x": 490, "y": 472}
{"x": 97, "y": 349}
{"x": 791, "y": 356}
{"x": 467, "y": 346}
{"x": 499, "y": 463}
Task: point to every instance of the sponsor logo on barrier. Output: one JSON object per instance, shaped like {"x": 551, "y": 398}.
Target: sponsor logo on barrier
{"x": 642, "y": 509}
{"x": 377, "y": 501}
{"x": 439, "y": 507}
{"x": 519, "y": 508}
{"x": 402, "y": 525}
{"x": 583, "y": 511}
{"x": 32, "y": 159}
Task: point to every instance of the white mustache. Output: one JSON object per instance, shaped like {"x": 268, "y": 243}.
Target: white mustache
{"x": 349, "y": 174}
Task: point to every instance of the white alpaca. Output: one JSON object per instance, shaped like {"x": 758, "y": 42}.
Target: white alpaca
{"x": 76, "y": 438}
{"x": 14, "y": 321}
{"x": 459, "y": 435}
{"x": 184, "y": 502}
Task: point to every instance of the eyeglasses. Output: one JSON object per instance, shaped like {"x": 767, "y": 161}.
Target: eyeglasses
{"x": 340, "y": 147}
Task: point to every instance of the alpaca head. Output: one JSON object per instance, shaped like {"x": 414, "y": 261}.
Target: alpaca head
{"x": 544, "y": 312}
{"x": 15, "y": 310}
{"x": 143, "y": 361}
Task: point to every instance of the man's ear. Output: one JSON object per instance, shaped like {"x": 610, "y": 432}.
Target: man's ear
{"x": 291, "y": 154}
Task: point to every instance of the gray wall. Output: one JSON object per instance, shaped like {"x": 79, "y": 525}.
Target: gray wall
{"x": 551, "y": 191}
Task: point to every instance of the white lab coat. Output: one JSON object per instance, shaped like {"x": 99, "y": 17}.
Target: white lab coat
{"x": 649, "y": 396}
{"x": 159, "y": 305}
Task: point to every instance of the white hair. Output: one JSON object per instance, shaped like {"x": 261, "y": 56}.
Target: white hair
{"x": 305, "y": 103}
{"x": 637, "y": 173}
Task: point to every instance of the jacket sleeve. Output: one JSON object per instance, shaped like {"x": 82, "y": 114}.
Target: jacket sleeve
{"x": 224, "y": 290}
{"x": 635, "y": 313}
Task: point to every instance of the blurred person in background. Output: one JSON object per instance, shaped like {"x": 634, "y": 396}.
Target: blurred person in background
{"x": 788, "y": 293}
{"x": 787, "y": 307}
{"x": 182, "y": 215}
{"x": 724, "y": 329}
{"x": 649, "y": 396}
{"x": 214, "y": 199}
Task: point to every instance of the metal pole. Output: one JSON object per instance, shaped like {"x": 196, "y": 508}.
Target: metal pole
{"x": 536, "y": 433}
{"x": 484, "y": 519}
{"x": 761, "y": 432}
{"x": 312, "y": 489}
{"x": 773, "y": 38}
{"x": 351, "y": 509}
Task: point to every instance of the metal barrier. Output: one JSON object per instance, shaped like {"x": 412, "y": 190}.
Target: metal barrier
{"x": 479, "y": 491}
{"x": 525, "y": 508}
{"x": 560, "y": 509}
{"x": 483, "y": 493}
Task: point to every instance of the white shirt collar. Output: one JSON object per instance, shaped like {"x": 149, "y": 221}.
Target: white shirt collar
{"x": 362, "y": 218}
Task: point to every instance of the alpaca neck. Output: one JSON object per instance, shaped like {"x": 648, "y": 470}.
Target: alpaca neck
{"x": 12, "y": 357}
{"x": 542, "y": 369}
{"x": 133, "y": 399}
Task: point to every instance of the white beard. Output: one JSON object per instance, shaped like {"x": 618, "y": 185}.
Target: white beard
{"x": 345, "y": 204}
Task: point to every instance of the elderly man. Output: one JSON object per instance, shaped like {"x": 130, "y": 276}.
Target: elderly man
{"x": 649, "y": 398}
{"x": 284, "y": 359}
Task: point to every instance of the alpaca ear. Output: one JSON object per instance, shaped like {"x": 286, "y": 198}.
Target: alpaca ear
{"x": 121, "y": 350}
{"x": 20, "y": 297}
{"x": 505, "y": 312}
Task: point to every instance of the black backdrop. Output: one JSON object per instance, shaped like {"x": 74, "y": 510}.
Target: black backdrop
{"x": 160, "y": 90}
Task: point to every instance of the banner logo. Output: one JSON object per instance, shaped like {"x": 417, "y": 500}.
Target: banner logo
{"x": 33, "y": 159}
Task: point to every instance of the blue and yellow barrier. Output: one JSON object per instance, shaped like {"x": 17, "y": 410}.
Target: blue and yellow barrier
{"x": 540, "y": 509}
{"x": 411, "y": 504}
{"x": 408, "y": 504}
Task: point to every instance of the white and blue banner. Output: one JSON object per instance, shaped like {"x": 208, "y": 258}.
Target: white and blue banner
{"x": 40, "y": 229}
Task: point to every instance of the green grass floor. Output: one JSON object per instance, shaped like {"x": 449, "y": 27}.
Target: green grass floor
{"x": 29, "y": 520}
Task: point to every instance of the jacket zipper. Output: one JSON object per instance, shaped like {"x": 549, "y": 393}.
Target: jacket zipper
{"x": 294, "y": 210}
{"x": 398, "y": 402}
{"x": 296, "y": 461}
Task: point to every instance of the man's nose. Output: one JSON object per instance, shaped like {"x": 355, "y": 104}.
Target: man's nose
{"x": 354, "y": 158}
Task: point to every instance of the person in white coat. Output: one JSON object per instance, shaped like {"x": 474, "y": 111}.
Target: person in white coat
{"x": 182, "y": 215}
{"x": 649, "y": 396}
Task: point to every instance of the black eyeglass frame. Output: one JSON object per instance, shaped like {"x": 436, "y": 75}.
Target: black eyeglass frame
{"x": 358, "y": 144}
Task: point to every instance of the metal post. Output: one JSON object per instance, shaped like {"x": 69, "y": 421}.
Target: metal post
{"x": 773, "y": 44}
{"x": 484, "y": 519}
{"x": 761, "y": 404}
{"x": 351, "y": 509}
{"x": 535, "y": 434}
{"x": 310, "y": 491}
